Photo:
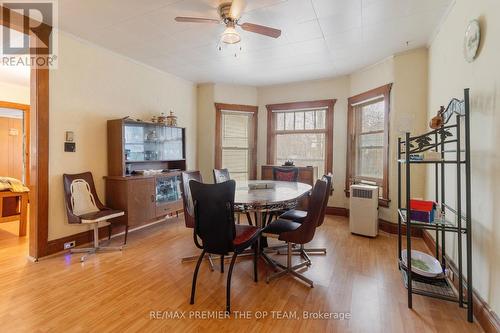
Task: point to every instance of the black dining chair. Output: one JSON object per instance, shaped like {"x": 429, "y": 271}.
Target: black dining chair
{"x": 215, "y": 227}
{"x": 298, "y": 233}
{"x": 299, "y": 216}
{"x": 221, "y": 176}
{"x": 187, "y": 203}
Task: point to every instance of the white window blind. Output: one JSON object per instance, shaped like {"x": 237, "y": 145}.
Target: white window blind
{"x": 236, "y": 143}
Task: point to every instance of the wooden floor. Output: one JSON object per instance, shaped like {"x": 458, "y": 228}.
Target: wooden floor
{"x": 116, "y": 292}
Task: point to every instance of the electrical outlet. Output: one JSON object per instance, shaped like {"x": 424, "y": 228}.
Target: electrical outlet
{"x": 69, "y": 245}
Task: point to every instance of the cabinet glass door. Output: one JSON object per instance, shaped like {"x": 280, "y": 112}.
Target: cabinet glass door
{"x": 168, "y": 189}
{"x": 152, "y": 142}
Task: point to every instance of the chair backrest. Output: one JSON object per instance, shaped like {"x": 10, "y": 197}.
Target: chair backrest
{"x": 214, "y": 215}
{"x": 221, "y": 176}
{"x": 328, "y": 179}
{"x": 187, "y": 200}
{"x": 286, "y": 174}
{"x": 80, "y": 196}
{"x": 305, "y": 233}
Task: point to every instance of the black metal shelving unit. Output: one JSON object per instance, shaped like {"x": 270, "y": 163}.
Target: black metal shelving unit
{"x": 446, "y": 140}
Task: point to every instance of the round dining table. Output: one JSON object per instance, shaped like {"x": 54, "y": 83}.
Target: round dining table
{"x": 261, "y": 196}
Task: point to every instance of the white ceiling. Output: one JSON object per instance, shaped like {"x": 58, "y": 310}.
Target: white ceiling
{"x": 321, "y": 38}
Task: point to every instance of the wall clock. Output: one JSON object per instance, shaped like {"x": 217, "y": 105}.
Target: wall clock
{"x": 472, "y": 40}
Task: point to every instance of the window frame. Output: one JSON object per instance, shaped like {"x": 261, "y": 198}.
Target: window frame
{"x": 383, "y": 92}
{"x": 219, "y": 107}
{"x": 327, "y": 104}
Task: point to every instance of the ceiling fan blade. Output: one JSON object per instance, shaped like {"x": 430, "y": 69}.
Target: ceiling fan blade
{"x": 260, "y": 29}
{"x": 196, "y": 19}
{"x": 237, "y": 8}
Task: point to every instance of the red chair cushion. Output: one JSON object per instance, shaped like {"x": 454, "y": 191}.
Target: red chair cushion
{"x": 245, "y": 234}
{"x": 285, "y": 176}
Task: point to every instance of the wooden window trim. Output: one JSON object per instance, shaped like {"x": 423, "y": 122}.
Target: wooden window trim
{"x": 327, "y": 104}
{"x": 219, "y": 107}
{"x": 385, "y": 92}
{"x": 39, "y": 140}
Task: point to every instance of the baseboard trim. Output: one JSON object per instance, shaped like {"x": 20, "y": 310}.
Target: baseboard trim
{"x": 57, "y": 245}
{"x": 337, "y": 211}
{"x": 484, "y": 315}
{"x": 383, "y": 225}
{"x": 392, "y": 228}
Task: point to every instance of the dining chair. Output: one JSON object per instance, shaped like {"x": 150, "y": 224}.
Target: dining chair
{"x": 187, "y": 203}
{"x": 299, "y": 216}
{"x": 84, "y": 207}
{"x": 222, "y": 175}
{"x": 284, "y": 174}
{"x": 215, "y": 227}
{"x": 298, "y": 233}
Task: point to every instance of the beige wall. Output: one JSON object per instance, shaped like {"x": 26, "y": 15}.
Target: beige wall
{"x": 449, "y": 74}
{"x": 206, "y": 130}
{"x": 91, "y": 86}
{"x": 408, "y": 113}
{"x": 14, "y": 93}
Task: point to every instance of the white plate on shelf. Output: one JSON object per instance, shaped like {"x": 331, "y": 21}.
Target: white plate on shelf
{"x": 422, "y": 263}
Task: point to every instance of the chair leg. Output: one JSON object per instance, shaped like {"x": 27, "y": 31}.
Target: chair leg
{"x": 270, "y": 219}
{"x": 110, "y": 229}
{"x": 255, "y": 259}
{"x": 222, "y": 263}
{"x": 210, "y": 262}
{"x": 249, "y": 218}
{"x": 228, "y": 286}
{"x": 126, "y": 234}
{"x": 195, "y": 276}
{"x": 289, "y": 269}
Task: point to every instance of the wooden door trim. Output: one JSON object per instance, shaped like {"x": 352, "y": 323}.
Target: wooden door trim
{"x": 26, "y": 124}
{"x": 39, "y": 144}
{"x": 218, "y": 134}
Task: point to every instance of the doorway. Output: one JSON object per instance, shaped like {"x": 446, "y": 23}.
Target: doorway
{"x": 14, "y": 160}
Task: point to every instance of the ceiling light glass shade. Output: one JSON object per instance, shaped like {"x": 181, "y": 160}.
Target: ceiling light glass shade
{"x": 230, "y": 36}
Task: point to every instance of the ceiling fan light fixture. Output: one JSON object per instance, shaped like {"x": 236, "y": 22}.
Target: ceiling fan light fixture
{"x": 230, "y": 36}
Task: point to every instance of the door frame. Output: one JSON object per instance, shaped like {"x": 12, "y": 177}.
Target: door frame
{"x": 39, "y": 142}
{"x": 26, "y": 132}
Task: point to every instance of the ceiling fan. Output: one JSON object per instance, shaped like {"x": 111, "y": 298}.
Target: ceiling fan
{"x": 230, "y": 13}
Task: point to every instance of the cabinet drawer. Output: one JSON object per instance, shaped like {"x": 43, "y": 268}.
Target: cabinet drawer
{"x": 171, "y": 207}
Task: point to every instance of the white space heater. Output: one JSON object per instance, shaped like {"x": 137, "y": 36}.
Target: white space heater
{"x": 363, "y": 210}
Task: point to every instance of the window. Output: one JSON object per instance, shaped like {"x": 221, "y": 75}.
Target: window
{"x": 302, "y": 132}
{"x": 368, "y": 140}
{"x": 235, "y": 147}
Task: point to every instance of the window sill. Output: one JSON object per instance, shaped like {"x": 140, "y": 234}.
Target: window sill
{"x": 382, "y": 202}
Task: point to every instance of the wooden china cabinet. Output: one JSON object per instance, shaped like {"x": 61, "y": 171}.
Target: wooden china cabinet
{"x": 136, "y": 146}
